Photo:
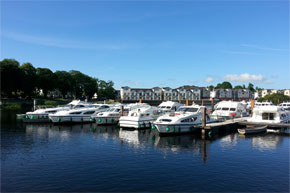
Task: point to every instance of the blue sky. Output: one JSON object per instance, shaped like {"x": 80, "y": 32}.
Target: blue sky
{"x": 153, "y": 43}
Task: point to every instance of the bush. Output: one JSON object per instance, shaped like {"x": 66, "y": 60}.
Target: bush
{"x": 11, "y": 107}
{"x": 50, "y": 103}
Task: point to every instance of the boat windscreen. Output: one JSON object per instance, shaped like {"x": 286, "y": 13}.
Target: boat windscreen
{"x": 184, "y": 109}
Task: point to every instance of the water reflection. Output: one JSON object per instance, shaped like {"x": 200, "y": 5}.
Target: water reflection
{"x": 229, "y": 141}
{"x": 266, "y": 141}
{"x": 147, "y": 138}
{"x": 138, "y": 138}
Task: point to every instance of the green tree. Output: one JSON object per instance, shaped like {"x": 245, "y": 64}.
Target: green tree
{"x": 211, "y": 87}
{"x": 106, "y": 90}
{"x": 29, "y": 82}
{"x": 224, "y": 85}
{"x": 11, "y": 76}
{"x": 275, "y": 98}
{"x": 251, "y": 87}
{"x": 83, "y": 85}
{"x": 238, "y": 87}
{"x": 46, "y": 80}
{"x": 64, "y": 82}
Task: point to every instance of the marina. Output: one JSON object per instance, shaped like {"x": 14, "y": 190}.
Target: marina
{"x": 90, "y": 157}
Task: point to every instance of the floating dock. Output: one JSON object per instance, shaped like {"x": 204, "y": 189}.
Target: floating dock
{"x": 236, "y": 123}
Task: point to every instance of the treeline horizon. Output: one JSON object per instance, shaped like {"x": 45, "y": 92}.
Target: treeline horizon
{"x": 26, "y": 81}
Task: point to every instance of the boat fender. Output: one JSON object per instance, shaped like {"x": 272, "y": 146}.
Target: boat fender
{"x": 167, "y": 129}
{"x": 32, "y": 117}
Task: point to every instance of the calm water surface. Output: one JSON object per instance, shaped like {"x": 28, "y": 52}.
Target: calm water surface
{"x": 49, "y": 158}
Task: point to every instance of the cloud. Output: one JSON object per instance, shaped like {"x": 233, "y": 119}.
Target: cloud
{"x": 209, "y": 79}
{"x": 130, "y": 82}
{"x": 246, "y": 77}
{"x": 263, "y": 47}
{"x": 61, "y": 43}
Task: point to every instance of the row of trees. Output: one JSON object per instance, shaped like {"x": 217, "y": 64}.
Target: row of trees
{"x": 228, "y": 85}
{"x": 26, "y": 81}
{"x": 275, "y": 98}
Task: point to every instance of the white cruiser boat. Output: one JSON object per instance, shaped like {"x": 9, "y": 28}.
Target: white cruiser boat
{"x": 169, "y": 106}
{"x": 140, "y": 115}
{"x": 269, "y": 114}
{"x": 229, "y": 109}
{"x": 285, "y": 105}
{"x": 263, "y": 103}
{"x": 182, "y": 121}
{"x": 77, "y": 115}
{"x": 41, "y": 115}
{"x": 111, "y": 116}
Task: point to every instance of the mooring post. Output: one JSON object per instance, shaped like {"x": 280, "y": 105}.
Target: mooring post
{"x": 203, "y": 118}
{"x": 201, "y": 102}
{"x": 122, "y": 110}
{"x": 186, "y": 102}
{"x": 34, "y": 105}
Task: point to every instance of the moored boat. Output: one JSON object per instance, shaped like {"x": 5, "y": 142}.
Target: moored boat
{"x": 253, "y": 130}
{"x": 77, "y": 115}
{"x": 139, "y": 116}
{"x": 41, "y": 115}
{"x": 184, "y": 120}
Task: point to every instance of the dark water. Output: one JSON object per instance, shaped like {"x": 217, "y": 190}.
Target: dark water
{"x": 47, "y": 158}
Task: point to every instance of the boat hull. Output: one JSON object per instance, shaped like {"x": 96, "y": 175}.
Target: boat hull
{"x": 106, "y": 120}
{"x": 136, "y": 124}
{"x": 252, "y": 130}
{"x": 70, "y": 119}
{"x": 175, "y": 129}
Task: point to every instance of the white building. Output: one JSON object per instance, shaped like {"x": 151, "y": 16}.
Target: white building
{"x": 205, "y": 93}
{"x": 167, "y": 93}
{"x": 287, "y": 92}
{"x": 266, "y": 92}
{"x": 242, "y": 94}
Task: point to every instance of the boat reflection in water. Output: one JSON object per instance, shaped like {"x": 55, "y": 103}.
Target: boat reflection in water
{"x": 166, "y": 144}
{"x": 64, "y": 132}
{"x": 137, "y": 138}
{"x": 266, "y": 141}
{"x": 229, "y": 141}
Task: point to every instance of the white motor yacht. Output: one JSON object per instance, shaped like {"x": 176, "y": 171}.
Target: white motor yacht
{"x": 169, "y": 106}
{"x": 139, "y": 116}
{"x": 269, "y": 114}
{"x": 229, "y": 109}
{"x": 285, "y": 105}
{"x": 77, "y": 115}
{"x": 41, "y": 115}
{"x": 182, "y": 121}
{"x": 111, "y": 116}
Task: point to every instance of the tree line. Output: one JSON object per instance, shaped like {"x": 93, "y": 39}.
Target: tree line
{"x": 26, "y": 81}
{"x": 228, "y": 85}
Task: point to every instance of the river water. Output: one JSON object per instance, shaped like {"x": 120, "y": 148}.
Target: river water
{"x": 91, "y": 158}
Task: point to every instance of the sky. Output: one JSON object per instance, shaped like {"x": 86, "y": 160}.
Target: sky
{"x": 146, "y": 43}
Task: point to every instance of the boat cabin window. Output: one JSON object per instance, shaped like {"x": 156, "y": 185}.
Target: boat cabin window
{"x": 75, "y": 113}
{"x": 165, "y": 120}
{"x": 79, "y": 106}
{"x": 225, "y": 108}
{"x": 168, "y": 107}
{"x": 189, "y": 120}
{"x": 188, "y": 110}
{"x": 232, "y": 109}
{"x": 89, "y": 112}
{"x": 267, "y": 116}
{"x": 50, "y": 111}
{"x": 218, "y": 108}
